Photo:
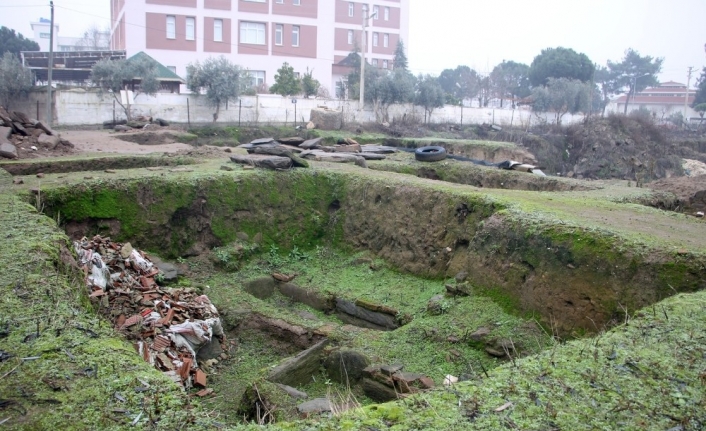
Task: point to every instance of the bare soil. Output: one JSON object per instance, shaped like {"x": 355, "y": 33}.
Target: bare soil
{"x": 105, "y": 141}
{"x": 691, "y": 191}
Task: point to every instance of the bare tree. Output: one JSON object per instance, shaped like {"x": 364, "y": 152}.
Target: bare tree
{"x": 95, "y": 39}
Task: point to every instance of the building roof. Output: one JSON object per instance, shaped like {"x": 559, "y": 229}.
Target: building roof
{"x": 668, "y": 93}
{"x": 69, "y": 66}
{"x": 163, "y": 73}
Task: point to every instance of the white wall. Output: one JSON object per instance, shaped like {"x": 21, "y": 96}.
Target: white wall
{"x": 85, "y": 107}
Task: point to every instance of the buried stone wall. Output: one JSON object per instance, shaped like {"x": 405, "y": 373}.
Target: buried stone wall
{"x": 571, "y": 278}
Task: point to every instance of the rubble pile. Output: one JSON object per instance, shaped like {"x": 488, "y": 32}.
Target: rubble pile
{"x": 167, "y": 326}
{"x": 141, "y": 122}
{"x": 20, "y": 134}
{"x": 290, "y": 152}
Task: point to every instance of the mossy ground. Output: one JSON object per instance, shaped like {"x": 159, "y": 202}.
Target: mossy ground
{"x": 572, "y": 386}
{"x": 435, "y": 345}
{"x": 645, "y": 374}
{"x": 68, "y": 369}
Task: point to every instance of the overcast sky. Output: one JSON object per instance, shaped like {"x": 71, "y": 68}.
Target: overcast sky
{"x": 481, "y": 34}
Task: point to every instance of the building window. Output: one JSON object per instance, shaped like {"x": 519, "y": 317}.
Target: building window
{"x": 44, "y": 35}
{"x": 279, "y": 1}
{"x": 375, "y": 39}
{"x": 296, "y": 2}
{"x": 351, "y": 8}
{"x": 171, "y": 27}
{"x": 218, "y": 30}
{"x": 350, "y": 37}
{"x": 375, "y": 62}
{"x": 257, "y": 77}
{"x": 365, "y": 10}
{"x": 279, "y": 28}
{"x": 386, "y": 40}
{"x": 295, "y": 35}
{"x": 384, "y": 64}
{"x": 387, "y": 13}
{"x": 376, "y": 12}
{"x": 252, "y": 32}
{"x": 172, "y": 69}
{"x": 190, "y": 26}
{"x": 257, "y": 1}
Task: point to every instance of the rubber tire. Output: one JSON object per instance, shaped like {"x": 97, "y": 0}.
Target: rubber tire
{"x": 430, "y": 154}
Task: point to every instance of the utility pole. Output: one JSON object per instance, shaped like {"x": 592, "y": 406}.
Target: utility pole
{"x": 51, "y": 66}
{"x": 686, "y": 96}
{"x": 364, "y": 38}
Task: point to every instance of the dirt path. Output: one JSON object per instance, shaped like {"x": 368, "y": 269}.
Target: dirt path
{"x": 105, "y": 141}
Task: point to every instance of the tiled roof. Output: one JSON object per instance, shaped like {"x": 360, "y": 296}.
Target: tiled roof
{"x": 657, "y": 100}
{"x": 163, "y": 73}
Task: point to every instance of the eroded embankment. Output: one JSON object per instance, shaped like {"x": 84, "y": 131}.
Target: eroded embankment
{"x": 61, "y": 366}
{"x": 57, "y": 166}
{"x": 573, "y": 277}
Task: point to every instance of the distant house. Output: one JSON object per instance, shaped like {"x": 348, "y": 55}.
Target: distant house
{"x": 93, "y": 40}
{"x": 662, "y": 101}
{"x": 169, "y": 82}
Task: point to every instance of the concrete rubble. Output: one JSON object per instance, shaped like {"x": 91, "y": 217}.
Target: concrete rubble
{"x": 168, "y": 327}
{"x": 286, "y": 153}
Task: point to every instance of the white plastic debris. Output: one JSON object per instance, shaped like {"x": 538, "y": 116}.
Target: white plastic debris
{"x": 196, "y": 334}
{"x": 449, "y": 380}
{"x": 99, "y": 272}
{"x": 700, "y": 214}
{"x": 140, "y": 262}
{"x": 33, "y": 148}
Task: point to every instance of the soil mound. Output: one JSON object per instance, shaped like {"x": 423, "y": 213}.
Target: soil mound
{"x": 690, "y": 191}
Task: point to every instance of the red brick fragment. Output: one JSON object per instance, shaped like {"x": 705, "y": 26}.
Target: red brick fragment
{"x": 200, "y": 379}
{"x": 185, "y": 368}
{"x": 204, "y": 392}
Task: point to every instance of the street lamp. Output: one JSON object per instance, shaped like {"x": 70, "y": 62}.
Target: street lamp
{"x": 366, "y": 18}
{"x": 634, "y": 87}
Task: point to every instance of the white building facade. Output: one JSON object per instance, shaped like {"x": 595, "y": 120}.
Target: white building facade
{"x": 260, "y": 35}
{"x": 41, "y": 30}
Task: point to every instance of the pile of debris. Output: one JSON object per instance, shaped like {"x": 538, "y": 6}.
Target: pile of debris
{"x": 288, "y": 152}
{"x": 30, "y": 135}
{"x": 142, "y": 122}
{"x": 168, "y": 327}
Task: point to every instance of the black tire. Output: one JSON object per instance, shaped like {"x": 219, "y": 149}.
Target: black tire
{"x": 430, "y": 154}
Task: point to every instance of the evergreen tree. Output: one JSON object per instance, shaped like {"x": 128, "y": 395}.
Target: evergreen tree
{"x": 400, "y": 61}
{"x": 286, "y": 83}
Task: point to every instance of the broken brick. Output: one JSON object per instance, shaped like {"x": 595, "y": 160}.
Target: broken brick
{"x": 204, "y": 392}
{"x": 200, "y": 379}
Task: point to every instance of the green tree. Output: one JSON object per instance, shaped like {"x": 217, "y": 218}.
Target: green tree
{"x": 429, "y": 95}
{"x": 561, "y": 96}
{"x": 701, "y": 109}
{"x": 219, "y": 78}
{"x": 15, "y": 43}
{"x": 560, "y": 63}
{"x": 310, "y": 86}
{"x": 400, "y": 60}
{"x": 635, "y": 72}
{"x": 116, "y": 75}
{"x": 498, "y": 83}
{"x": 605, "y": 81}
{"x": 459, "y": 84}
{"x": 484, "y": 91}
{"x": 353, "y": 79}
{"x": 15, "y": 79}
{"x": 700, "y": 96}
{"x": 516, "y": 76}
{"x": 384, "y": 88}
{"x": 286, "y": 83}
